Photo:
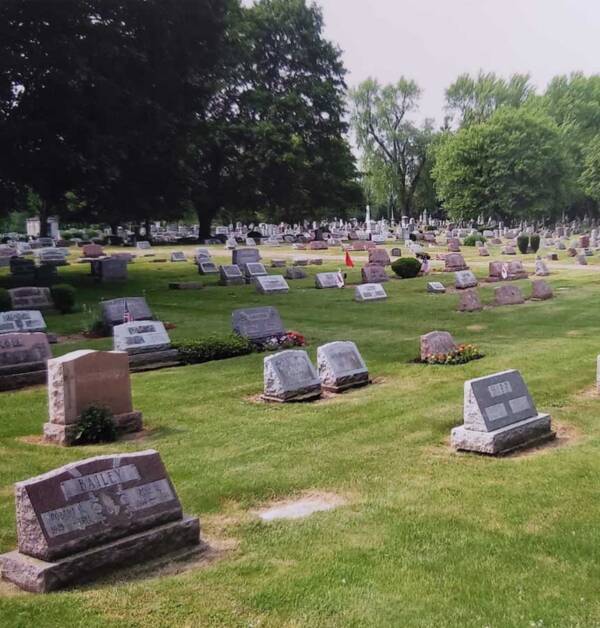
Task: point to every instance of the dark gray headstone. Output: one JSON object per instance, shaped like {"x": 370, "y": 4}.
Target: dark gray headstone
{"x": 245, "y": 256}
{"x": 271, "y": 284}
{"x": 257, "y": 323}
{"x": 113, "y": 311}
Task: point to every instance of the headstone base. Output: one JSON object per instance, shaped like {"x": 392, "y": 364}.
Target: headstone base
{"x": 152, "y": 360}
{"x": 233, "y": 281}
{"x": 306, "y": 394}
{"x": 65, "y": 434}
{"x": 14, "y": 381}
{"x": 39, "y": 576}
{"x": 185, "y": 285}
{"x": 351, "y": 381}
{"x": 520, "y": 435}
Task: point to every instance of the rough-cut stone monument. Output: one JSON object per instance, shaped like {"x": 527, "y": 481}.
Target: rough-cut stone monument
{"x": 84, "y": 378}
{"x": 454, "y": 262}
{"x": 290, "y": 376}
{"x": 500, "y": 416}
{"x": 464, "y": 279}
{"x": 469, "y": 301}
{"x": 508, "y": 295}
{"x": 436, "y": 342}
{"x": 96, "y": 514}
{"x": 541, "y": 290}
{"x": 341, "y": 366}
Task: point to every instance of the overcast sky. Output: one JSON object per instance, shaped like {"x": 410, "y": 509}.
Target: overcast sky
{"x": 433, "y": 41}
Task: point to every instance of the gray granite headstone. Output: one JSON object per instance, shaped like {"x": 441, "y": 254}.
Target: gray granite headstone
{"x": 21, "y": 320}
{"x": 436, "y": 287}
{"x": 207, "y": 268}
{"x": 290, "y": 376}
{"x": 294, "y": 272}
{"x": 30, "y": 298}
{"x": 465, "y": 279}
{"x": 341, "y": 366}
{"x": 327, "y": 280}
{"x": 245, "y": 256}
{"x": 113, "y": 311}
{"x": 254, "y": 269}
{"x": 140, "y": 336}
{"x": 178, "y": 256}
{"x": 370, "y": 292}
{"x": 111, "y": 269}
{"x": 271, "y": 284}
{"x": 231, "y": 275}
{"x": 257, "y": 323}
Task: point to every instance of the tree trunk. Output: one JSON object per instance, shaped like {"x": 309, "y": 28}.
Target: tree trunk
{"x": 148, "y": 229}
{"x": 43, "y": 215}
{"x": 205, "y": 221}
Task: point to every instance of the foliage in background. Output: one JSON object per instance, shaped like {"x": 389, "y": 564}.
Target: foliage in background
{"x": 213, "y": 348}
{"x": 406, "y": 267}
{"x": 63, "y": 296}
{"x": 5, "y": 302}
{"x": 95, "y": 425}
{"x": 510, "y": 167}
{"x": 534, "y": 242}
{"x": 472, "y": 239}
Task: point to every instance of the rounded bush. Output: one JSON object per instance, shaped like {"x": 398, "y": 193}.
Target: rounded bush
{"x": 472, "y": 239}
{"x": 406, "y": 267}
{"x": 523, "y": 243}
{"x": 5, "y": 302}
{"x": 534, "y": 242}
{"x": 63, "y": 296}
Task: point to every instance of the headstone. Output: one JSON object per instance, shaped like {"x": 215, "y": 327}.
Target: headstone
{"x": 582, "y": 260}
{"x": 290, "y": 376}
{"x": 53, "y": 257}
{"x": 80, "y": 519}
{"x": 113, "y": 311}
{"x": 110, "y": 269}
{"x": 553, "y": 257}
{"x": 327, "y": 280}
{"x": 373, "y": 273}
{"x": 186, "y": 285}
{"x": 92, "y": 250}
{"x": 316, "y": 261}
{"x": 454, "y": 245}
{"x": 21, "y": 320}
{"x": 30, "y": 298}
{"x": 500, "y": 416}
{"x": 202, "y": 255}
{"x": 469, "y": 301}
{"x": 508, "y": 295}
{"x": 294, "y": 272}
{"x": 571, "y": 252}
{"x": 341, "y": 366}
{"x": 253, "y": 270}
{"x": 84, "y": 378}
{"x": 207, "y": 268}
{"x": 465, "y": 279}
{"x": 271, "y": 284}
{"x": 541, "y": 270}
{"x": 509, "y": 250}
{"x": 317, "y": 245}
{"x": 278, "y": 263}
{"x": 22, "y": 270}
{"x": 370, "y": 292}
{"x": 454, "y": 262}
{"x": 515, "y": 270}
{"x": 257, "y": 323}
{"x": 541, "y": 290}
{"x": 23, "y": 358}
{"x": 143, "y": 245}
{"x": 300, "y": 261}
{"x": 380, "y": 257}
{"x": 241, "y": 257}
{"x": 178, "y": 256}
{"x": 436, "y": 342}
{"x": 231, "y": 275}
{"x": 436, "y": 287}
{"x": 396, "y": 252}
{"x": 483, "y": 252}
{"x": 140, "y": 336}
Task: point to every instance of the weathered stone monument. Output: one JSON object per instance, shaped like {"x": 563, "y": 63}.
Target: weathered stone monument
{"x": 293, "y": 272}
{"x": 436, "y": 342}
{"x": 464, "y": 279}
{"x": 454, "y": 262}
{"x": 231, "y": 275}
{"x": 241, "y": 257}
{"x": 271, "y": 284}
{"x": 23, "y": 359}
{"x": 373, "y": 273}
{"x": 147, "y": 344}
{"x": 341, "y": 366}
{"x": 114, "y": 311}
{"x": 469, "y": 301}
{"x": 541, "y": 270}
{"x": 21, "y": 320}
{"x": 500, "y": 416}
{"x": 30, "y": 298}
{"x": 540, "y": 290}
{"x": 257, "y": 323}
{"x": 85, "y": 378}
{"x": 110, "y": 269}
{"x": 253, "y": 270}
{"x": 207, "y": 268}
{"x": 379, "y": 256}
{"x": 370, "y": 292}
{"x": 96, "y": 514}
{"x": 328, "y": 280}
{"x": 290, "y": 376}
{"x": 508, "y": 295}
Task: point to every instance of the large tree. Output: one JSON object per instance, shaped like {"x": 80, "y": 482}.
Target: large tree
{"x": 394, "y": 148}
{"x": 470, "y": 100}
{"x": 512, "y": 166}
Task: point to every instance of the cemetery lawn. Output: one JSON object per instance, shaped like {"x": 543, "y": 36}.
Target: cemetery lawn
{"x": 427, "y": 537}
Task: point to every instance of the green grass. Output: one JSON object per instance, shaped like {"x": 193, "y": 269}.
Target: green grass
{"x": 428, "y": 537}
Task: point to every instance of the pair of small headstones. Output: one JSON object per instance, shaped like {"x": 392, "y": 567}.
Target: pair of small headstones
{"x": 290, "y": 375}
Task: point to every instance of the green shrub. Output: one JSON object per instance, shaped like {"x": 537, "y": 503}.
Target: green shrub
{"x": 534, "y": 242}
{"x": 213, "y": 348}
{"x": 5, "y": 302}
{"x": 63, "y": 296}
{"x": 95, "y": 425}
{"x": 472, "y": 239}
{"x": 523, "y": 243}
{"x": 406, "y": 267}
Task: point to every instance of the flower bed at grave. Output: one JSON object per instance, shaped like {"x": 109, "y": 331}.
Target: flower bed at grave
{"x": 286, "y": 341}
{"x": 461, "y": 355}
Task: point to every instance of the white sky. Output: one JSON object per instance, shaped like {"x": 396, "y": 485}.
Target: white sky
{"x": 433, "y": 41}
